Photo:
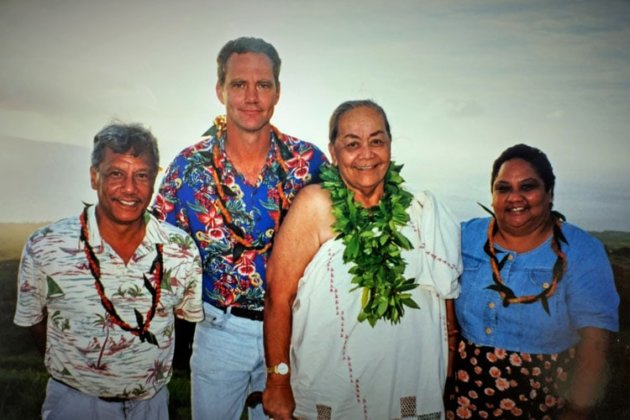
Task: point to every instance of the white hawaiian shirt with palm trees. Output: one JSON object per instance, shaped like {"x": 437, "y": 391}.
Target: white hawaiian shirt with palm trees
{"x": 87, "y": 348}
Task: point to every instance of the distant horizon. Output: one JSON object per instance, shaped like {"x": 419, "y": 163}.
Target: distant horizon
{"x": 50, "y": 194}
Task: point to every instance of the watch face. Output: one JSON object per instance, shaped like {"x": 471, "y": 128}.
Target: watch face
{"x": 282, "y": 368}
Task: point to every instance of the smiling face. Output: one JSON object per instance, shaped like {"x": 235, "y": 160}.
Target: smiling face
{"x": 249, "y": 92}
{"x": 520, "y": 200}
{"x": 362, "y": 151}
{"x": 124, "y": 185}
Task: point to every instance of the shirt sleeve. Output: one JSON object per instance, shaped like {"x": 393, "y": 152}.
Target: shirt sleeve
{"x": 190, "y": 307}
{"x": 168, "y": 204}
{"x": 31, "y": 290}
{"x": 440, "y": 247}
{"x": 593, "y": 300}
{"x": 319, "y": 159}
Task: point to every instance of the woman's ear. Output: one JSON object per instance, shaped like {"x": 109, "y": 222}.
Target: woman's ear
{"x": 333, "y": 156}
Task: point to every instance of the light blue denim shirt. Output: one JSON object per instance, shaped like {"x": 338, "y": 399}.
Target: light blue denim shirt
{"x": 586, "y": 294}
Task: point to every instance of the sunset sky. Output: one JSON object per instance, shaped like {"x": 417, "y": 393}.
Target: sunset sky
{"x": 459, "y": 80}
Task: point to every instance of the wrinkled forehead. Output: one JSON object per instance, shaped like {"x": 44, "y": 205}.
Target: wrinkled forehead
{"x": 128, "y": 157}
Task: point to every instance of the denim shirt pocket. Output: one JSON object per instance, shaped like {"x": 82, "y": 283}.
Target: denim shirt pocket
{"x": 471, "y": 262}
{"x": 541, "y": 279}
{"x": 473, "y": 281}
{"x": 472, "y": 267}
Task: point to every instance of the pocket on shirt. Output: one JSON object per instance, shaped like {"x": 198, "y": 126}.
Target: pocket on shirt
{"x": 471, "y": 262}
{"x": 473, "y": 282}
{"x": 541, "y": 280}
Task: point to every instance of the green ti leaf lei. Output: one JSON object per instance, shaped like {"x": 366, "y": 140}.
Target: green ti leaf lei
{"x": 373, "y": 244}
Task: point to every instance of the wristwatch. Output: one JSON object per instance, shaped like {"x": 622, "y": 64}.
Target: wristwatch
{"x": 279, "y": 369}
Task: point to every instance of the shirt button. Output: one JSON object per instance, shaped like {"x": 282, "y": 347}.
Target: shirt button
{"x": 491, "y": 305}
{"x": 510, "y": 257}
{"x": 488, "y": 331}
{"x": 545, "y": 285}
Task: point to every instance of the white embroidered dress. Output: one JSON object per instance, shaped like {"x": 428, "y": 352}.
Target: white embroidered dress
{"x": 344, "y": 369}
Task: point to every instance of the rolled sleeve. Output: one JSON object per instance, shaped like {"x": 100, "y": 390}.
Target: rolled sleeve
{"x": 31, "y": 290}
{"x": 441, "y": 246}
{"x": 593, "y": 300}
{"x": 190, "y": 307}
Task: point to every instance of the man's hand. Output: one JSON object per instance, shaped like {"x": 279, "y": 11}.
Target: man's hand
{"x": 278, "y": 402}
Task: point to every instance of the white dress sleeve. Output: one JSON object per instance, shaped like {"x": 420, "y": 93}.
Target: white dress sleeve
{"x": 440, "y": 245}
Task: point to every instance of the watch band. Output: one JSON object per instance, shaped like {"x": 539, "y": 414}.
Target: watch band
{"x": 279, "y": 369}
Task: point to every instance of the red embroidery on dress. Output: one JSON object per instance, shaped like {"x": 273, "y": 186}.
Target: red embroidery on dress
{"x": 437, "y": 258}
{"x": 344, "y": 336}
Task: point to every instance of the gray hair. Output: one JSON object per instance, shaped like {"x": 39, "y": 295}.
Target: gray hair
{"x": 126, "y": 138}
{"x": 333, "y": 126}
{"x": 244, "y": 45}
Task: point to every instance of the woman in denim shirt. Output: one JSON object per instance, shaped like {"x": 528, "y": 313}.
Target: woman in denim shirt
{"x": 537, "y": 305}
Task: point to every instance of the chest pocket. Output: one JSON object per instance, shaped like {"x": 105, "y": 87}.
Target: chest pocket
{"x": 473, "y": 281}
{"x": 472, "y": 262}
{"x": 540, "y": 280}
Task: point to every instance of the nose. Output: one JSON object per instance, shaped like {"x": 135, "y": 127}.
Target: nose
{"x": 365, "y": 151}
{"x": 129, "y": 184}
{"x": 515, "y": 195}
{"x": 251, "y": 94}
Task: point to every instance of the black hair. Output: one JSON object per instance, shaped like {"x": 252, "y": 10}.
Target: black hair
{"x": 531, "y": 155}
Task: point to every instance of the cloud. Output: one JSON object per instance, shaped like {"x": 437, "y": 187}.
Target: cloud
{"x": 463, "y": 108}
{"x": 556, "y": 114}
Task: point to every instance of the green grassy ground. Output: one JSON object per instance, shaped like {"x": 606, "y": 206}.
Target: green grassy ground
{"x": 23, "y": 377}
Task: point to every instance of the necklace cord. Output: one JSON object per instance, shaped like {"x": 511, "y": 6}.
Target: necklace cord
{"x": 559, "y": 268}
{"x": 157, "y": 267}
{"x": 243, "y": 241}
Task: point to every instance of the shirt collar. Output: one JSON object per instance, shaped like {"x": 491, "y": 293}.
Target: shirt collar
{"x": 153, "y": 233}
{"x": 271, "y": 154}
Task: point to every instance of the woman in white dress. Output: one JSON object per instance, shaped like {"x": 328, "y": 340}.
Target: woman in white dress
{"x": 355, "y": 309}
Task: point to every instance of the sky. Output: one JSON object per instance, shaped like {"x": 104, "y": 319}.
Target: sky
{"x": 460, "y": 82}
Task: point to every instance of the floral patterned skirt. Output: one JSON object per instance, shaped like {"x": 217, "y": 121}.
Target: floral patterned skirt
{"x": 494, "y": 383}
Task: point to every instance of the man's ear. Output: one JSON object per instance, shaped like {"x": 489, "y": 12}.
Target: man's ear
{"x": 93, "y": 177}
{"x": 219, "y": 91}
{"x": 278, "y": 91}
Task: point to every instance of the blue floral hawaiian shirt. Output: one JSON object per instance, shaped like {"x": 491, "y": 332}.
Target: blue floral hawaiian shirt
{"x": 234, "y": 221}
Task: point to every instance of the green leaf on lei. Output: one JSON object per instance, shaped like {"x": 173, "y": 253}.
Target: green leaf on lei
{"x": 373, "y": 245}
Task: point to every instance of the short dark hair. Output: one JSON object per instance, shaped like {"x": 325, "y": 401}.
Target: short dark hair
{"x": 531, "y": 155}
{"x": 126, "y": 138}
{"x": 247, "y": 45}
{"x": 333, "y": 125}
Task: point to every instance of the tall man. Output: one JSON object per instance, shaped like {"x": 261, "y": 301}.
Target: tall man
{"x": 100, "y": 290}
{"x": 230, "y": 191}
